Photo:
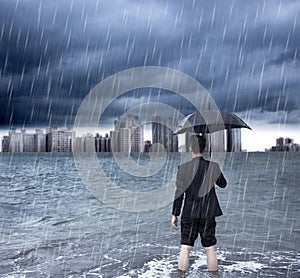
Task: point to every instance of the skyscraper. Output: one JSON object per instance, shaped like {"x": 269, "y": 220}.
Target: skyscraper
{"x": 114, "y": 141}
{"x": 162, "y": 134}
{"x": 147, "y": 146}
{"x": 5, "y": 143}
{"x": 59, "y": 140}
{"x": 157, "y": 131}
{"x": 29, "y": 142}
{"x": 25, "y": 142}
{"x": 89, "y": 143}
{"x": 102, "y": 144}
{"x": 220, "y": 141}
{"x": 39, "y": 141}
{"x": 128, "y": 135}
{"x": 234, "y": 143}
{"x": 78, "y": 144}
{"x": 216, "y": 141}
{"x": 16, "y": 141}
{"x": 124, "y": 139}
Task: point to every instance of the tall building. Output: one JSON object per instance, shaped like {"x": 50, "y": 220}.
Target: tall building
{"x": 162, "y": 134}
{"x": 97, "y": 142}
{"x": 59, "y": 140}
{"x": 114, "y": 141}
{"x": 102, "y": 144}
{"x": 175, "y": 147}
{"x": 25, "y": 142}
{"x": 285, "y": 145}
{"x": 89, "y": 143}
{"x": 234, "y": 142}
{"x": 5, "y": 144}
{"x": 39, "y": 141}
{"x": 187, "y": 141}
{"x": 147, "y": 146}
{"x": 29, "y": 142}
{"x": 16, "y": 141}
{"x": 216, "y": 141}
{"x": 78, "y": 144}
{"x": 128, "y": 135}
{"x": 288, "y": 144}
{"x": 220, "y": 141}
{"x": 107, "y": 146}
{"x": 279, "y": 144}
{"x": 124, "y": 139}
{"x": 137, "y": 139}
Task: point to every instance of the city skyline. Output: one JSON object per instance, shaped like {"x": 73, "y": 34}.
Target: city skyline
{"x": 101, "y": 140}
{"x": 285, "y": 145}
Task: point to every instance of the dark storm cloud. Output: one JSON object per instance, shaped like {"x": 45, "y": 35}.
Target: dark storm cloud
{"x": 291, "y": 56}
{"x": 138, "y": 97}
{"x": 53, "y": 52}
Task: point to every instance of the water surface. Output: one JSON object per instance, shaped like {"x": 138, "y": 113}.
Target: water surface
{"x": 51, "y": 225}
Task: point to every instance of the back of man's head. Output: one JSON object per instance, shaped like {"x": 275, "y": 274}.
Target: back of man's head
{"x": 197, "y": 143}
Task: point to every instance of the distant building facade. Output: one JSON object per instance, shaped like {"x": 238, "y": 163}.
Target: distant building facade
{"x": 147, "y": 146}
{"x": 22, "y": 141}
{"x": 78, "y": 144}
{"x": 102, "y": 144}
{"x": 5, "y": 144}
{"x": 234, "y": 142}
{"x": 59, "y": 140}
{"x": 220, "y": 141}
{"x": 40, "y": 140}
{"x": 162, "y": 134}
{"x": 16, "y": 141}
{"x": 89, "y": 143}
{"x": 285, "y": 145}
{"x": 128, "y": 135}
{"x": 216, "y": 142}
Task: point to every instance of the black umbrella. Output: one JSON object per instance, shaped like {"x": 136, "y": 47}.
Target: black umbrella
{"x": 209, "y": 121}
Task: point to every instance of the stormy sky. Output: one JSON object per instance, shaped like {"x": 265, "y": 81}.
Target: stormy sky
{"x": 52, "y": 53}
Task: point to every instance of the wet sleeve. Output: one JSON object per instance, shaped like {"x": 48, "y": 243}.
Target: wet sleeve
{"x": 179, "y": 193}
{"x": 221, "y": 181}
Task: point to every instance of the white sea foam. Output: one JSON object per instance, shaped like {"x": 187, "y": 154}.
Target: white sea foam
{"x": 158, "y": 267}
{"x": 94, "y": 272}
{"x": 155, "y": 268}
{"x": 244, "y": 267}
{"x": 199, "y": 262}
{"x": 164, "y": 267}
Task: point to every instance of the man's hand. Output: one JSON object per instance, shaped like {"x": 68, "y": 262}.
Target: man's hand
{"x": 174, "y": 222}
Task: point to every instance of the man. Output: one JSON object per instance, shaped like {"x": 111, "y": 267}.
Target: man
{"x": 195, "y": 184}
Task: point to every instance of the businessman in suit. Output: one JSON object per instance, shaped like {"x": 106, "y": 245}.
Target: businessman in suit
{"x": 195, "y": 185}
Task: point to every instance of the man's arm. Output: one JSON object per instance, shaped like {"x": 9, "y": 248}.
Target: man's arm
{"x": 178, "y": 199}
{"x": 221, "y": 181}
{"x": 174, "y": 222}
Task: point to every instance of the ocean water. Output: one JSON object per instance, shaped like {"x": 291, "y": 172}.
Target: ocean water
{"x": 51, "y": 225}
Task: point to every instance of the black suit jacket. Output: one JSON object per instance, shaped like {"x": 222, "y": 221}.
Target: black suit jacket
{"x": 195, "y": 184}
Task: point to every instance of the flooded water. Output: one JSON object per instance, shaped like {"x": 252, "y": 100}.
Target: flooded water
{"x": 52, "y": 226}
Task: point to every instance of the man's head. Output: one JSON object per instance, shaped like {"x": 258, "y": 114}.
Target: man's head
{"x": 197, "y": 144}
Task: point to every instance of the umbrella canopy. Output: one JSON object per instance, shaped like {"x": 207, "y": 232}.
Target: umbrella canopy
{"x": 209, "y": 121}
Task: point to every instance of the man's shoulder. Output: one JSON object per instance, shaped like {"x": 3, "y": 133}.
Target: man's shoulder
{"x": 217, "y": 166}
{"x": 197, "y": 162}
{"x": 193, "y": 162}
{"x": 184, "y": 165}
{"x": 214, "y": 164}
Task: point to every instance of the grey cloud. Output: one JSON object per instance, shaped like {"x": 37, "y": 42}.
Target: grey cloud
{"x": 72, "y": 47}
{"x": 291, "y": 56}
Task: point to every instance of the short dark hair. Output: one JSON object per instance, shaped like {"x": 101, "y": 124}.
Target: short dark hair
{"x": 197, "y": 143}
